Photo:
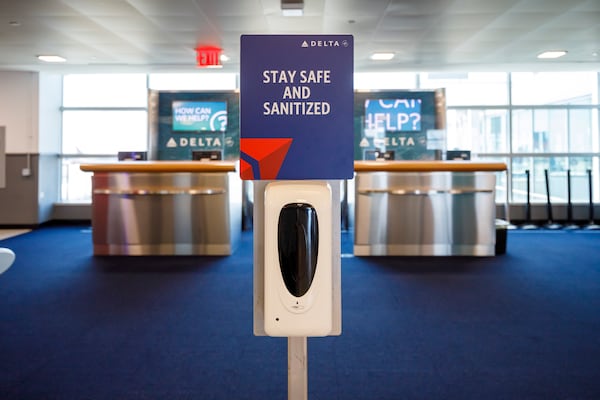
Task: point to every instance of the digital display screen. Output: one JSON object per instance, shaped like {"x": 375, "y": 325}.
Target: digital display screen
{"x": 393, "y": 115}
{"x": 207, "y": 155}
{"x": 199, "y": 116}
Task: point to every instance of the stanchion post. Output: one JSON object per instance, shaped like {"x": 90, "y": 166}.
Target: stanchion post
{"x": 297, "y": 368}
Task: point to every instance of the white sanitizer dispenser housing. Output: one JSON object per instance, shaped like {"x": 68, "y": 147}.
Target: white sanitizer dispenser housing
{"x": 298, "y": 274}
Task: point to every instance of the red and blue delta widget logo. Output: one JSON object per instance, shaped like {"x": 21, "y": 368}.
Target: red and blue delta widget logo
{"x": 296, "y": 107}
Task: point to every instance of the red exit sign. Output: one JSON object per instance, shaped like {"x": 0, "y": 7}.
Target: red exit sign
{"x": 208, "y": 56}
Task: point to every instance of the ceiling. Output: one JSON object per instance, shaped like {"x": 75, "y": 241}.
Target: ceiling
{"x": 425, "y": 35}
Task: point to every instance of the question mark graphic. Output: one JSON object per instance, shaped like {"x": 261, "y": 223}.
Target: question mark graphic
{"x": 416, "y": 120}
{"x": 218, "y": 119}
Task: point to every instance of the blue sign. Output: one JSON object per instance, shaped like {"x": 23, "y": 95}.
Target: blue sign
{"x": 393, "y": 115}
{"x": 192, "y": 122}
{"x": 296, "y": 107}
{"x": 199, "y": 116}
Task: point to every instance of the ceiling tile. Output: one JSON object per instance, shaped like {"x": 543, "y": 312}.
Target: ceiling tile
{"x": 434, "y": 33}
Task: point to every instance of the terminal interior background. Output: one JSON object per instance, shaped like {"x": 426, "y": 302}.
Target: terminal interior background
{"x": 522, "y": 325}
{"x": 549, "y": 121}
{"x": 503, "y": 104}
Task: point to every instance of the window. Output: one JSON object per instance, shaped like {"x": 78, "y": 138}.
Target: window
{"x": 384, "y": 81}
{"x": 581, "y": 130}
{"x": 549, "y": 122}
{"x": 468, "y": 89}
{"x": 207, "y": 81}
{"x": 530, "y": 88}
{"x": 532, "y": 121}
{"x": 541, "y": 131}
{"x": 104, "y": 131}
{"x": 555, "y": 127}
{"x": 478, "y": 130}
{"x": 558, "y": 169}
{"x": 105, "y": 90}
{"x": 102, "y": 115}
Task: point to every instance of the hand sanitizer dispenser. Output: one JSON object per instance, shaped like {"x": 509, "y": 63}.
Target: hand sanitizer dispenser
{"x": 298, "y": 246}
{"x": 298, "y": 273}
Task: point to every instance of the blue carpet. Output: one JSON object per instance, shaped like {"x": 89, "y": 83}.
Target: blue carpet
{"x": 524, "y": 325}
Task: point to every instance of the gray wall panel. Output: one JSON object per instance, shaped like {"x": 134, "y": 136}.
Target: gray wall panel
{"x": 19, "y": 198}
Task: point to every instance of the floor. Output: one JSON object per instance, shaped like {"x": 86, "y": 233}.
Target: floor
{"x": 8, "y": 233}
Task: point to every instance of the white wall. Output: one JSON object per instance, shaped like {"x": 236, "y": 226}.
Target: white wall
{"x": 19, "y": 110}
{"x": 30, "y": 109}
{"x": 50, "y": 116}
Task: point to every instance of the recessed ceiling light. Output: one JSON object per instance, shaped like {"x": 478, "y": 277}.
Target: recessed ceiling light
{"x": 51, "y": 59}
{"x": 292, "y": 13}
{"x": 292, "y": 8}
{"x": 382, "y": 56}
{"x": 552, "y": 54}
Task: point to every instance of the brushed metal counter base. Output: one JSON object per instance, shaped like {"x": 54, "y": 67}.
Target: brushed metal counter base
{"x": 163, "y": 249}
{"x": 425, "y": 213}
{"x": 424, "y": 250}
{"x": 164, "y": 213}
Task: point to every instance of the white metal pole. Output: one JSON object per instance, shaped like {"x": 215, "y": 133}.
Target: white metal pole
{"x": 297, "y": 368}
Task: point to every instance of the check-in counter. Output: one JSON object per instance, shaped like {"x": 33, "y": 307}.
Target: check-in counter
{"x": 165, "y": 208}
{"x": 413, "y": 208}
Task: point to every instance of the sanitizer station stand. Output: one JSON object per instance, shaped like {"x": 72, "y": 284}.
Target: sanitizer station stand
{"x": 297, "y": 145}
{"x": 312, "y": 270}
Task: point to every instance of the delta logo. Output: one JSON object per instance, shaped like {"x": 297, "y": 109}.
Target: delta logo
{"x": 323, "y": 43}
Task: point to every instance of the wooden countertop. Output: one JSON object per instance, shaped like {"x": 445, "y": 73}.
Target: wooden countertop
{"x": 427, "y": 166}
{"x": 359, "y": 166}
{"x": 161, "y": 166}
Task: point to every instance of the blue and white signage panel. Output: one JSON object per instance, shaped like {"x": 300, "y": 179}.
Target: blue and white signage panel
{"x": 393, "y": 115}
{"x": 198, "y": 116}
{"x": 296, "y": 107}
